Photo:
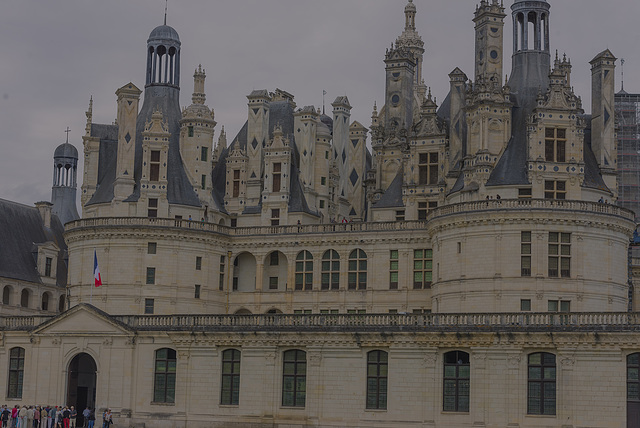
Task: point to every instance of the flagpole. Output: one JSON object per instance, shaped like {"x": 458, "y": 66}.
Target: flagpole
{"x": 93, "y": 285}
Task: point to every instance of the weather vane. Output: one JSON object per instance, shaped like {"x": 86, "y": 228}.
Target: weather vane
{"x": 67, "y": 131}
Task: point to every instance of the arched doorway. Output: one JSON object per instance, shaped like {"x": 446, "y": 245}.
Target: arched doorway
{"x": 81, "y": 384}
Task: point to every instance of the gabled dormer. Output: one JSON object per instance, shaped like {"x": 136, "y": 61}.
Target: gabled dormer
{"x": 155, "y": 149}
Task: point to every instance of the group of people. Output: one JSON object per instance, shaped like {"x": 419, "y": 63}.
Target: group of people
{"x": 49, "y": 417}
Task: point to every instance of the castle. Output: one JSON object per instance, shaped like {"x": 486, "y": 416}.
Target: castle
{"x": 450, "y": 265}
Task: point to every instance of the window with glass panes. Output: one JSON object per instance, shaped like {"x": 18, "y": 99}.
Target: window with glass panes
{"x": 164, "y": 385}
{"x": 428, "y": 168}
{"x": 357, "y": 270}
{"x": 525, "y": 254}
{"x": 330, "y": 270}
{"x": 422, "y": 269}
{"x": 277, "y": 174}
{"x": 16, "y": 373}
{"x": 559, "y": 305}
{"x": 151, "y": 275}
{"x": 204, "y": 153}
{"x": 377, "y": 372}
{"x": 154, "y": 166}
{"x": 47, "y": 266}
{"x": 559, "y": 255}
{"x": 555, "y": 189}
{"x": 221, "y": 276}
{"x": 555, "y": 144}
{"x": 425, "y": 207}
{"x": 393, "y": 270}
{"x": 541, "y": 396}
{"x": 457, "y": 370}
{"x": 294, "y": 378}
{"x": 304, "y": 271}
{"x": 230, "y": 388}
{"x": 236, "y": 183}
{"x": 633, "y": 379}
{"x": 152, "y": 211}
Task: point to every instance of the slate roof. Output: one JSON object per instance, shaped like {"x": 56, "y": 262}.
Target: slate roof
{"x": 392, "y": 197}
{"x": 511, "y": 169}
{"x": 21, "y": 229}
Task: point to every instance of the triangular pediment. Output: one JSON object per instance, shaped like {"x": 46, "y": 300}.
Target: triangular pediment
{"x": 81, "y": 320}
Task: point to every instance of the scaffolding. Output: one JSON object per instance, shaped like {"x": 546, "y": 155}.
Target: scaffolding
{"x": 628, "y": 116}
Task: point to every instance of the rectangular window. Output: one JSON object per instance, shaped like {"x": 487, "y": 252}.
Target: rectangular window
{"x": 323, "y": 181}
{"x": 559, "y": 305}
{"x": 525, "y": 305}
{"x": 204, "y": 153}
{"x": 196, "y": 294}
{"x": 277, "y": 174}
{"x": 294, "y": 378}
{"x": 525, "y": 254}
{"x": 554, "y": 144}
{"x": 422, "y": 269}
{"x": 236, "y": 183}
{"x": 330, "y": 275}
{"x": 151, "y": 275}
{"x": 275, "y": 217}
{"x": 425, "y": 207}
{"x": 148, "y": 306}
{"x": 559, "y": 255}
{"x": 273, "y": 283}
{"x": 198, "y": 263}
{"x": 153, "y": 208}
{"x": 457, "y": 376}
{"x": 234, "y": 222}
{"x": 428, "y": 168}
{"x": 190, "y": 131}
{"x": 154, "y": 166}
{"x": 393, "y": 270}
{"x": 230, "y": 389}
{"x": 235, "y": 283}
{"x": 203, "y": 182}
{"x": 221, "y": 277}
{"x": 16, "y": 373}
{"x": 274, "y": 259}
{"x": 377, "y": 373}
{"x": 321, "y": 204}
{"x": 555, "y": 189}
{"x": 47, "y": 266}
{"x": 152, "y": 247}
{"x": 400, "y": 215}
{"x": 524, "y": 194}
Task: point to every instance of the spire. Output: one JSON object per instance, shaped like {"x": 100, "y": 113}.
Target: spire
{"x": 199, "y": 97}
{"x": 89, "y": 114}
{"x": 166, "y": 6}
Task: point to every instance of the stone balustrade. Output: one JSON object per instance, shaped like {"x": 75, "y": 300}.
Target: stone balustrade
{"x": 489, "y": 322}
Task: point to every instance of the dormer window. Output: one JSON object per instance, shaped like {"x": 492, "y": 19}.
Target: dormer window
{"x": 154, "y": 166}
{"x": 555, "y": 144}
{"x": 47, "y": 266}
{"x": 277, "y": 175}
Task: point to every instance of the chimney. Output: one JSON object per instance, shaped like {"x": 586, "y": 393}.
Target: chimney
{"x": 45, "y": 212}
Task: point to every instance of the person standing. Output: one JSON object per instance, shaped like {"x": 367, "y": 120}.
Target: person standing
{"x": 52, "y": 416}
{"x": 107, "y": 418}
{"x": 85, "y": 413}
{"x": 29, "y": 417}
{"x": 22, "y": 415}
{"x": 4, "y": 416}
{"x": 43, "y": 417}
{"x": 91, "y": 418}
{"x": 14, "y": 416}
{"x": 66, "y": 414}
{"x": 73, "y": 414}
{"x": 58, "y": 416}
{"x": 36, "y": 417}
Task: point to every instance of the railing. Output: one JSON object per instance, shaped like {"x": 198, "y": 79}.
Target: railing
{"x": 532, "y": 204}
{"x": 586, "y": 321}
{"x": 465, "y": 207}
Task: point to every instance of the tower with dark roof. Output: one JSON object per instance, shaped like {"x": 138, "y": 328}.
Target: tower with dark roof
{"x": 65, "y": 175}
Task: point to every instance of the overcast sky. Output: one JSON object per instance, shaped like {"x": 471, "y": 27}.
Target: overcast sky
{"x": 55, "y": 54}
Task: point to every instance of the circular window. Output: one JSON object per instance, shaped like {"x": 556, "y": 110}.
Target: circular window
{"x": 395, "y": 99}
{"x": 494, "y": 54}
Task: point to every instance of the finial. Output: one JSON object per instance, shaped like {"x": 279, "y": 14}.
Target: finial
{"x": 166, "y": 5}
{"x": 67, "y": 131}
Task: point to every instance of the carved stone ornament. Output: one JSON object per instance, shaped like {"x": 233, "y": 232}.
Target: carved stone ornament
{"x": 315, "y": 359}
{"x": 513, "y": 361}
{"x": 430, "y": 359}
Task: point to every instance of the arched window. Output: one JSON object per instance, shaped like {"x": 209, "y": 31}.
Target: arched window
{"x": 6, "y": 295}
{"x": 24, "y": 298}
{"x": 294, "y": 378}
{"x": 16, "y": 373}
{"x": 230, "y": 390}
{"x": 455, "y": 395}
{"x": 45, "y": 302}
{"x": 164, "y": 384}
{"x": 61, "y": 304}
{"x": 330, "y": 270}
{"x": 358, "y": 270}
{"x": 377, "y": 371}
{"x": 304, "y": 271}
{"x": 541, "y": 398}
{"x": 633, "y": 389}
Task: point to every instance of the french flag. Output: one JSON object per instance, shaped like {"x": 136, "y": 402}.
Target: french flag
{"x": 96, "y": 270}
